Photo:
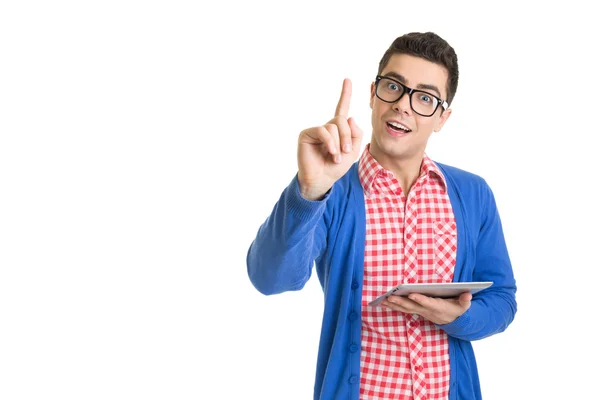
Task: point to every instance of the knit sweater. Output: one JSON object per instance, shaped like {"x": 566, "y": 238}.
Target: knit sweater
{"x": 330, "y": 235}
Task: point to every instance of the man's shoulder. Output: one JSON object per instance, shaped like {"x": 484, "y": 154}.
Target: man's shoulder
{"x": 460, "y": 176}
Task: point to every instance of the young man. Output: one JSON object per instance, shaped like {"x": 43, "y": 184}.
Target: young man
{"x": 394, "y": 216}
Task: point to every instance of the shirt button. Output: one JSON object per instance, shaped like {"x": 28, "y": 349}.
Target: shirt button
{"x": 353, "y": 379}
{"x": 353, "y": 348}
{"x": 352, "y": 316}
{"x": 354, "y": 285}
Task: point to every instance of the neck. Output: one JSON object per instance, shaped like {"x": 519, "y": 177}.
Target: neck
{"x": 406, "y": 170}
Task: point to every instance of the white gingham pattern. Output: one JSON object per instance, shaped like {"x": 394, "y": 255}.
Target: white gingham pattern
{"x": 404, "y": 356}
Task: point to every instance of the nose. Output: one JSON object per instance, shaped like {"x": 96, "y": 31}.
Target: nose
{"x": 402, "y": 105}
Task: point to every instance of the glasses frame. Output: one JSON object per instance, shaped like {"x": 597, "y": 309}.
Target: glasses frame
{"x": 410, "y": 92}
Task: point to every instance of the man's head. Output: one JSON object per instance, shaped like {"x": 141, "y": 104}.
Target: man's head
{"x": 416, "y": 82}
{"x": 430, "y": 47}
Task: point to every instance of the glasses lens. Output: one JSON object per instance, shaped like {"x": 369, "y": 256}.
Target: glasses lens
{"x": 388, "y": 90}
{"x": 423, "y": 103}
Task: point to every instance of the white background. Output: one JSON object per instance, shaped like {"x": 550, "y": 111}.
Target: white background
{"x": 142, "y": 144}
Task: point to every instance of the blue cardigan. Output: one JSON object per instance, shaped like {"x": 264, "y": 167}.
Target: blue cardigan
{"x": 330, "y": 234}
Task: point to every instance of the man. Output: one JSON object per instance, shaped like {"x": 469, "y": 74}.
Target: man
{"x": 394, "y": 216}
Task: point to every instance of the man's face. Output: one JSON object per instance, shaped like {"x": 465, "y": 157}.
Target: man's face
{"x": 390, "y": 144}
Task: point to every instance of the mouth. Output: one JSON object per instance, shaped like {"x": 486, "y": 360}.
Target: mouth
{"x": 396, "y": 128}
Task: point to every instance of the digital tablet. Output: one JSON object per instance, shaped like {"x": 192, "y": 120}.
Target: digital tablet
{"x": 443, "y": 290}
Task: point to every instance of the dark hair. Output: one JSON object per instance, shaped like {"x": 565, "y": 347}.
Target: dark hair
{"x": 432, "y": 48}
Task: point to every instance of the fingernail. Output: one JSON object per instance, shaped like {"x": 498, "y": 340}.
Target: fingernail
{"x": 337, "y": 158}
{"x": 347, "y": 148}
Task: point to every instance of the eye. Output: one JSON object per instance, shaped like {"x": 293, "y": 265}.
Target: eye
{"x": 393, "y": 86}
{"x": 425, "y": 98}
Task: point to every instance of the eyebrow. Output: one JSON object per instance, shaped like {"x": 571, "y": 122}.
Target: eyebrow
{"x": 419, "y": 86}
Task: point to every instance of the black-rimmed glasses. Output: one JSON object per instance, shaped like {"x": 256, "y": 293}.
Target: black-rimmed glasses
{"x": 390, "y": 91}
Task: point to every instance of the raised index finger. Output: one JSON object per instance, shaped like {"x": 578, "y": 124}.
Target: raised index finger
{"x": 344, "y": 104}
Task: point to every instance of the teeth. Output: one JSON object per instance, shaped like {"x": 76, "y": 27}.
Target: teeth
{"x": 397, "y": 125}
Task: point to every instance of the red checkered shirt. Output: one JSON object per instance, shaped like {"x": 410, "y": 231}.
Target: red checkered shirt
{"x": 408, "y": 240}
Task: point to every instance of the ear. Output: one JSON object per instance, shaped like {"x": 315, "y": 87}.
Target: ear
{"x": 442, "y": 120}
{"x": 372, "y": 100}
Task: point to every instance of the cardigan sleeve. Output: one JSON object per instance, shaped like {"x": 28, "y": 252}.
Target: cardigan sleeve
{"x": 494, "y": 308}
{"x": 282, "y": 255}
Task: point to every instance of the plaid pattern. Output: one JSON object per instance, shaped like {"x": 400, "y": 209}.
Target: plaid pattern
{"x": 409, "y": 240}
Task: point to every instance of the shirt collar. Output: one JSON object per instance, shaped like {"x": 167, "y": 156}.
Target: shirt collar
{"x": 369, "y": 170}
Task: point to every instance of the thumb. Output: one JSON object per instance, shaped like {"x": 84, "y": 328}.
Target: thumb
{"x": 465, "y": 300}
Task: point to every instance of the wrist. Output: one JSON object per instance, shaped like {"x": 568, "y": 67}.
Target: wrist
{"x": 312, "y": 193}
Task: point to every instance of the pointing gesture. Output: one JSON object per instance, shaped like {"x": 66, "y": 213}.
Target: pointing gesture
{"x": 344, "y": 103}
{"x": 326, "y": 153}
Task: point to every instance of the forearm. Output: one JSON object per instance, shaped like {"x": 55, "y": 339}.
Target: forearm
{"x": 491, "y": 312}
{"x": 282, "y": 255}
{"x": 494, "y": 308}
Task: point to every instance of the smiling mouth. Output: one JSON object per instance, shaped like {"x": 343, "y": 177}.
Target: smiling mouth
{"x": 397, "y": 127}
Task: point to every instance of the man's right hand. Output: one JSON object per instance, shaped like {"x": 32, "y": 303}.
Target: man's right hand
{"x": 326, "y": 153}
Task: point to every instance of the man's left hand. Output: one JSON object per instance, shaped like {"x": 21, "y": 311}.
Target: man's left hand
{"x": 437, "y": 310}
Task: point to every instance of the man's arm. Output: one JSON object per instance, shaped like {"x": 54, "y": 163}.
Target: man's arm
{"x": 282, "y": 255}
{"x": 494, "y": 308}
